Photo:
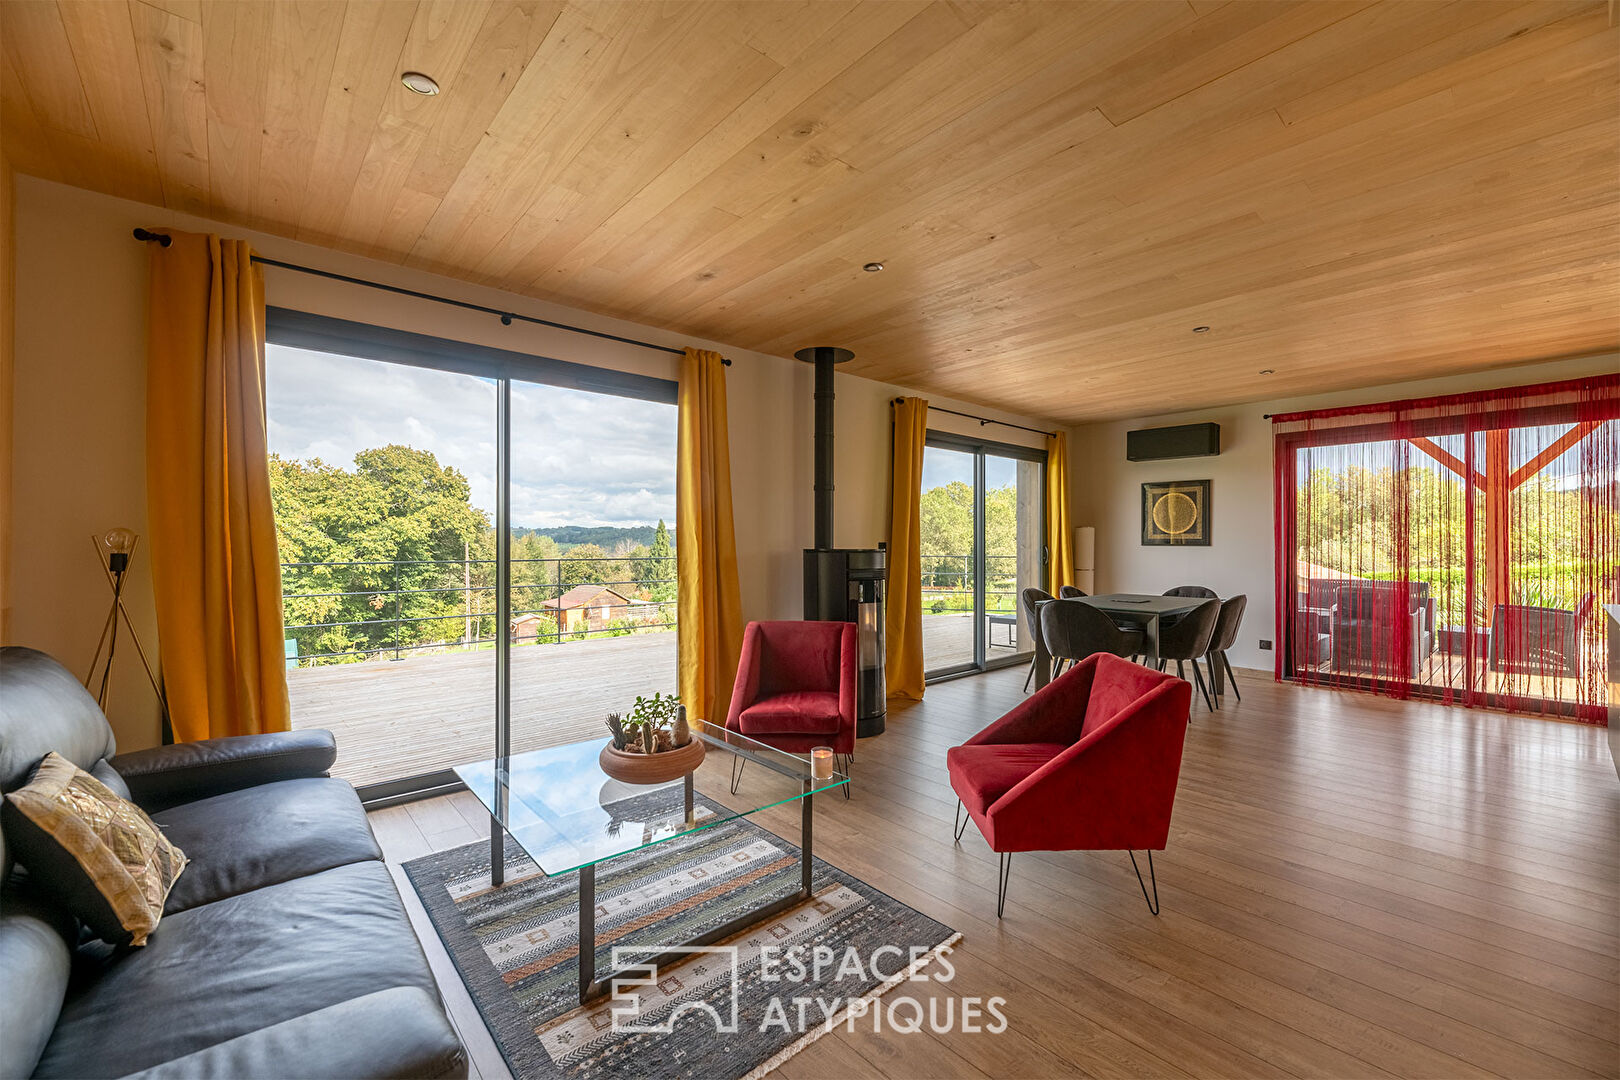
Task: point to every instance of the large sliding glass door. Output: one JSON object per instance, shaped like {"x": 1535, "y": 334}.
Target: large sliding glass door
{"x": 593, "y": 561}
{"x": 1457, "y": 548}
{"x": 983, "y": 540}
{"x": 477, "y": 545}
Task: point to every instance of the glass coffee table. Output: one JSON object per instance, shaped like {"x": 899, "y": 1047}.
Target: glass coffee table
{"x": 567, "y": 814}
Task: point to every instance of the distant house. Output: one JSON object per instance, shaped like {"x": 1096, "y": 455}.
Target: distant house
{"x": 584, "y": 607}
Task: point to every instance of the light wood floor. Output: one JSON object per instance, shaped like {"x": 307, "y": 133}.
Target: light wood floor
{"x": 1353, "y": 887}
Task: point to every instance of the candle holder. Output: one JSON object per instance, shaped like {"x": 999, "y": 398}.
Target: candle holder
{"x": 821, "y": 763}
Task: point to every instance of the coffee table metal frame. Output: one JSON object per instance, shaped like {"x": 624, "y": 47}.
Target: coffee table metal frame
{"x": 591, "y": 987}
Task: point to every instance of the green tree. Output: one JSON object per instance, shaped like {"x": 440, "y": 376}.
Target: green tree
{"x": 588, "y": 564}
{"x": 378, "y": 558}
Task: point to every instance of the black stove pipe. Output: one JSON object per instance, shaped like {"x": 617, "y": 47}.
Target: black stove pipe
{"x": 824, "y": 357}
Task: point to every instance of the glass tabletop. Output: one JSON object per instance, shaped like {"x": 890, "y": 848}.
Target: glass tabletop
{"x": 566, "y": 813}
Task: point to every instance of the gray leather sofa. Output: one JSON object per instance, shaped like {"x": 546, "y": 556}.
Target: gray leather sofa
{"x": 284, "y": 950}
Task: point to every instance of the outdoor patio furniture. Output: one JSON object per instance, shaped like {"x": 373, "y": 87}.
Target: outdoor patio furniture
{"x": 1367, "y": 620}
{"x": 1531, "y": 640}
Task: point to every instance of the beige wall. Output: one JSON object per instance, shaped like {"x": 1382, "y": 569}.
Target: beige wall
{"x": 78, "y": 468}
{"x": 8, "y": 264}
{"x": 1107, "y": 493}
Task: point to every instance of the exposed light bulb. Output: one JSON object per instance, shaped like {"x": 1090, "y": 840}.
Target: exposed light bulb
{"x": 120, "y": 540}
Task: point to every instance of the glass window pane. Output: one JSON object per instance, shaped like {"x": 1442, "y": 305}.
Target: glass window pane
{"x": 947, "y": 550}
{"x": 383, "y": 481}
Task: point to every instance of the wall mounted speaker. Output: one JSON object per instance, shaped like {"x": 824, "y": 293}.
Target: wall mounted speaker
{"x": 1184, "y": 441}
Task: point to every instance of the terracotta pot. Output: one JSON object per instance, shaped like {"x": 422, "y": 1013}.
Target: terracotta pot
{"x": 651, "y": 768}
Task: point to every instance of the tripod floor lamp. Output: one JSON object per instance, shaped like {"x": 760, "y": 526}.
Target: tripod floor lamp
{"x": 114, "y": 550}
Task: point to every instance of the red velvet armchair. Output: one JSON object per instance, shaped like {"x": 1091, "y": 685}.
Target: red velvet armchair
{"x": 1090, "y": 763}
{"x": 795, "y": 688}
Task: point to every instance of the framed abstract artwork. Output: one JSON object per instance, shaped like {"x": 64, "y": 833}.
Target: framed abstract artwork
{"x": 1176, "y": 514}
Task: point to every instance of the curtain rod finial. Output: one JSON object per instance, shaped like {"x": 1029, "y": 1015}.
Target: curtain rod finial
{"x": 146, "y": 234}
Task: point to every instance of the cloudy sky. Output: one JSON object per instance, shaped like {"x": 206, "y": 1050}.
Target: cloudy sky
{"x": 578, "y": 458}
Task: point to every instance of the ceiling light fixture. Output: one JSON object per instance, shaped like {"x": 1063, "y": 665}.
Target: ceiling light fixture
{"x": 1200, "y": 329}
{"x": 418, "y": 83}
{"x": 872, "y": 268}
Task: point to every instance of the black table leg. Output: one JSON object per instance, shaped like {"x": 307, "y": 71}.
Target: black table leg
{"x": 806, "y": 860}
{"x": 587, "y": 931}
{"x": 689, "y": 818}
{"x": 497, "y": 852}
{"x": 1043, "y": 662}
{"x": 590, "y": 987}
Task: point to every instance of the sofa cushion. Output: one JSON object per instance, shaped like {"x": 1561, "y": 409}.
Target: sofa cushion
{"x": 798, "y": 712}
{"x": 983, "y": 773}
{"x": 94, "y": 851}
{"x": 221, "y": 970}
{"x": 399, "y": 1032}
{"x": 265, "y": 835}
{"x": 36, "y": 957}
{"x": 43, "y": 708}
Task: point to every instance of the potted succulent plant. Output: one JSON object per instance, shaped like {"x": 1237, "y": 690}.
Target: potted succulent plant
{"x": 652, "y": 743}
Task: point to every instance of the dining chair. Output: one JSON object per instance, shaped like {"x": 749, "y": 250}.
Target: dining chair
{"x": 1074, "y": 630}
{"x": 1070, "y": 592}
{"x": 1225, "y": 636}
{"x": 1188, "y": 638}
{"x": 1194, "y": 591}
{"x": 1032, "y": 598}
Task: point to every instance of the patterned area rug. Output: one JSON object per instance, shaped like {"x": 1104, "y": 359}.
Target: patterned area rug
{"x": 736, "y": 1012}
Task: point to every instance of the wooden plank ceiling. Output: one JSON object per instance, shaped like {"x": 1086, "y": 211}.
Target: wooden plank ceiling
{"x": 1345, "y": 192}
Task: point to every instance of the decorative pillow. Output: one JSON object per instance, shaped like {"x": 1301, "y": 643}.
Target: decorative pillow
{"x": 98, "y": 854}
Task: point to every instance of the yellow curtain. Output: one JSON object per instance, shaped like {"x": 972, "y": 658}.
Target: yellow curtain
{"x": 1060, "y": 554}
{"x": 215, "y": 571}
{"x": 903, "y": 621}
{"x": 710, "y": 622}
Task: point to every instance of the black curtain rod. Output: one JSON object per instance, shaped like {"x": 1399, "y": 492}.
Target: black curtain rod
{"x": 506, "y": 317}
{"x": 982, "y": 420}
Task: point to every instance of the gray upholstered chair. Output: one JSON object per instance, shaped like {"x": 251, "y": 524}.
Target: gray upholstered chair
{"x": 1192, "y": 590}
{"x": 1225, "y": 636}
{"x": 1074, "y": 630}
{"x": 1070, "y": 592}
{"x": 1031, "y": 599}
{"x": 1188, "y": 638}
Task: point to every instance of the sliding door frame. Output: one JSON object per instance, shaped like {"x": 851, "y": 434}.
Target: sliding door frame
{"x": 342, "y": 337}
{"x": 980, "y": 449}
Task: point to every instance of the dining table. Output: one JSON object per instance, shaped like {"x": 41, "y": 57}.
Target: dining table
{"x": 1138, "y": 610}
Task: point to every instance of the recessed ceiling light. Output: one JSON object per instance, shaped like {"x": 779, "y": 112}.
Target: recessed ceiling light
{"x": 418, "y": 83}
{"x": 1268, "y": 371}
{"x": 1200, "y": 329}
{"x": 872, "y": 268}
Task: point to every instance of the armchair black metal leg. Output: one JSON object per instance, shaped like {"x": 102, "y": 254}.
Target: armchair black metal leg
{"x": 1198, "y": 677}
{"x": 960, "y": 824}
{"x": 1003, "y": 876}
{"x": 1031, "y": 674}
{"x": 843, "y": 767}
{"x": 737, "y": 765}
{"x": 1231, "y": 678}
{"x": 1153, "y": 901}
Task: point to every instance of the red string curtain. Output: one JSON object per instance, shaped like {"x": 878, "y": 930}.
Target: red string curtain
{"x": 1456, "y": 547}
